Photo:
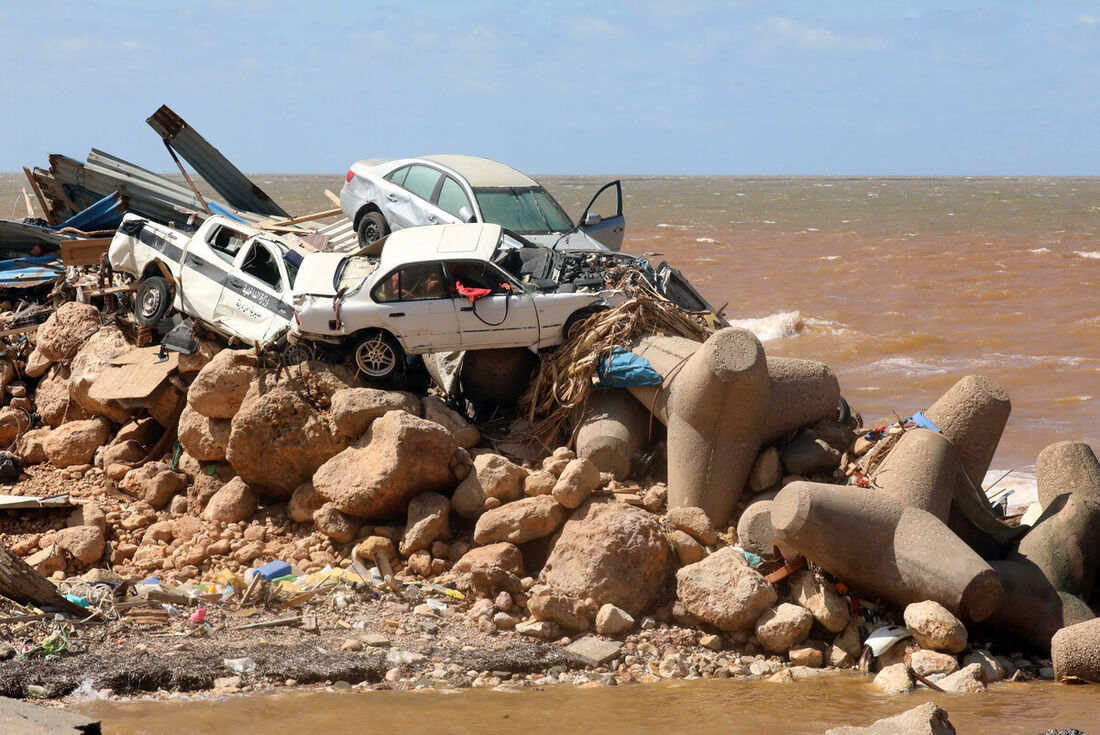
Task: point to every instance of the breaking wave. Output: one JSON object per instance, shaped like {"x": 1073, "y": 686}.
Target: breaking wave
{"x": 1093, "y": 254}
{"x": 773, "y": 326}
{"x": 1021, "y": 482}
{"x": 705, "y": 239}
{"x": 1039, "y": 251}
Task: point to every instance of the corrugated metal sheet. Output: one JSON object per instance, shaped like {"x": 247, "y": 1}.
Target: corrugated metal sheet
{"x": 106, "y": 214}
{"x": 29, "y": 272}
{"x": 22, "y": 236}
{"x": 215, "y": 169}
{"x": 341, "y": 236}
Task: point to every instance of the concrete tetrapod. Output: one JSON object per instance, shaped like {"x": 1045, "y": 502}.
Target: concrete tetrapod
{"x": 1075, "y": 652}
{"x": 1049, "y": 576}
{"x": 614, "y": 426}
{"x": 1067, "y": 467}
{"x": 720, "y": 403}
{"x": 920, "y": 472}
{"x": 972, "y": 416}
{"x": 878, "y": 545}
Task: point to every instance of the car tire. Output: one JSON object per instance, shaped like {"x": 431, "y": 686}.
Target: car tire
{"x": 577, "y": 317}
{"x": 152, "y": 301}
{"x": 372, "y": 228}
{"x": 377, "y": 356}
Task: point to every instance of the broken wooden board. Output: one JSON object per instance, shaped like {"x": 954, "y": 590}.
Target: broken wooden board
{"x": 84, "y": 252}
{"x": 135, "y": 375}
{"x": 23, "y": 502}
{"x": 21, "y": 582}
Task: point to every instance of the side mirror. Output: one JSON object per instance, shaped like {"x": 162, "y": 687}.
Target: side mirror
{"x": 592, "y": 219}
{"x": 466, "y": 215}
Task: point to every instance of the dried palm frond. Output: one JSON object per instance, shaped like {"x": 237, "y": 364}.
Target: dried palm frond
{"x": 565, "y": 377}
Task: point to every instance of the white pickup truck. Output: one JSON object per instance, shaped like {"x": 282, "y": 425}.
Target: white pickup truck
{"x": 233, "y": 278}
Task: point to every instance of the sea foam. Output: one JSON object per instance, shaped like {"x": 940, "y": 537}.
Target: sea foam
{"x": 774, "y": 326}
{"x": 1093, "y": 254}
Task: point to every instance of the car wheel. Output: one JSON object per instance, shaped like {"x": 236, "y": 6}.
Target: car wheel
{"x": 577, "y": 317}
{"x": 152, "y": 301}
{"x": 378, "y": 356}
{"x": 372, "y": 228}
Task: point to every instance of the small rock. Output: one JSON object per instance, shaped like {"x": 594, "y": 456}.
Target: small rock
{"x": 894, "y": 679}
{"x": 694, "y": 521}
{"x": 711, "y": 641}
{"x": 687, "y": 549}
{"x": 372, "y": 544}
{"x": 376, "y": 640}
{"x": 927, "y": 719}
{"x": 427, "y": 522}
{"x": 781, "y": 627}
{"x": 594, "y": 651}
{"x": 303, "y": 503}
{"x": 934, "y": 627}
{"x": 577, "y": 481}
{"x": 967, "y": 680}
{"x": 234, "y": 502}
{"x": 928, "y": 663}
{"x": 993, "y": 670}
{"x": 465, "y": 434}
{"x": 811, "y": 656}
{"x": 724, "y": 591}
{"x": 539, "y": 482}
{"x": 612, "y": 620}
{"x": 521, "y": 521}
{"x": 337, "y": 525}
{"x": 493, "y": 476}
{"x": 567, "y": 612}
{"x": 821, "y": 599}
{"x": 539, "y": 629}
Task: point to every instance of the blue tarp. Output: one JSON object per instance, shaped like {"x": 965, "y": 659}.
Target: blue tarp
{"x": 623, "y": 369}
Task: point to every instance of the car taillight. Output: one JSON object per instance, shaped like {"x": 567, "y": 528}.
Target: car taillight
{"x": 347, "y": 179}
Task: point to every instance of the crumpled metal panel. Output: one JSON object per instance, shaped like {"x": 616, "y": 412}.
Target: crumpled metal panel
{"x": 225, "y": 178}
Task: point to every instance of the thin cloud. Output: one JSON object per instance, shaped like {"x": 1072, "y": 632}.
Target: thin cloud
{"x": 590, "y": 26}
{"x": 1089, "y": 20}
{"x": 791, "y": 32}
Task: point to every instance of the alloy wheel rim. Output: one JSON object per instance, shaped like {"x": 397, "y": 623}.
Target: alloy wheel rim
{"x": 375, "y": 358}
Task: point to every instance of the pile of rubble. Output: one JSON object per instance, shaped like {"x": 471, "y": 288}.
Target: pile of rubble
{"x": 766, "y": 535}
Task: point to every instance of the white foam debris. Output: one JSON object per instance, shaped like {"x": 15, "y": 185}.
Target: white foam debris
{"x": 705, "y": 239}
{"x": 1092, "y": 254}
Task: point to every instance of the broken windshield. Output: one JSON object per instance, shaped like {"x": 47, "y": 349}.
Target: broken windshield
{"x": 352, "y": 272}
{"x": 524, "y": 210}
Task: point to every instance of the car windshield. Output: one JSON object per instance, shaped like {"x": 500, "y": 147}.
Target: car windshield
{"x": 524, "y": 210}
{"x": 352, "y": 272}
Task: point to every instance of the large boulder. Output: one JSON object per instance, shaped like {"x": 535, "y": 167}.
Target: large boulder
{"x": 494, "y": 476}
{"x": 610, "y": 552}
{"x": 89, "y": 363}
{"x": 465, "y": 434}
{"x": 52, "y": 400}
{"x": 812, "y": 592}
{"x": 724, "y": 590}
{"x": 62, "y": 334}
{"x": 354, "y": 409}
{"x": 399, "y": 458}
{"x": 927, "y": 719}
{"x": 31, "y": 447}
{"x": 488, "y": 570}
{"x": 222, "y": 384}
{"x": 204, "y": 438}
{"x": 522, "y": 521}
{"x": 283, "y": 430}
{"x": 76, "y": 442}
{"x": 234, "y": 502}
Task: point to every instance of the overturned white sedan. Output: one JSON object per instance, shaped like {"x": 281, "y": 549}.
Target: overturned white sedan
{"x": 441, "y": 288}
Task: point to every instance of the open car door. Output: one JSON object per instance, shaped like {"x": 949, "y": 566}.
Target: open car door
{"x": 607, "y": 230}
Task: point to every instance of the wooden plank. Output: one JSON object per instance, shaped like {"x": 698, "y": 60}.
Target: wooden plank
{"x": 27, "y": 203}
{"x": 46, "y": 211}
{"x": 332, "y": 197}
{"x": 84, "y": 252}
{"x": 21, "y": 582}
{"x": 135, "y": 375}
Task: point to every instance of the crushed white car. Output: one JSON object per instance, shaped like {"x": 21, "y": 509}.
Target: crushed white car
{"x": 231, "y": 277}
{"x": 436, "y": 289}
{"x": 383, "y": 195}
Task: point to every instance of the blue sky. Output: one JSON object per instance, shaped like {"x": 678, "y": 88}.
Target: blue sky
{"x": 684, "y": 87}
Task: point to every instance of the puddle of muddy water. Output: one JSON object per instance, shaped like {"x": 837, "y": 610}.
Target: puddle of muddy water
{"x": 696, "y": 707}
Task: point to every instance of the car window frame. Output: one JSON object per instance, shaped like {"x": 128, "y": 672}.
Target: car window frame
{"x": 390, "y": 177}
{"x": 444, "y": 277}
{"x": 517, "y": 285}
{"x": 461, "y": 188}
{"x": 435, "y": 189}
{"x": 281, "y": 287}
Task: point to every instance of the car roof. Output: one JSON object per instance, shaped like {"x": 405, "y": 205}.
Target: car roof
{"x": 439, "y": 242}
{"x": 483, "y": 171}
{"x": 478, "y": 171}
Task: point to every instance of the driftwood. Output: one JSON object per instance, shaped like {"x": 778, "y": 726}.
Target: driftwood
{"x": 22, "y": 583}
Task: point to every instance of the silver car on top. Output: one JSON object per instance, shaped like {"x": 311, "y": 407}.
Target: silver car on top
{"x": 386, "y": 194}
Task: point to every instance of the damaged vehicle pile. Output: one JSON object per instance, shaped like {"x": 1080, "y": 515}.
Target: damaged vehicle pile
{"x": 226, "y": 421}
